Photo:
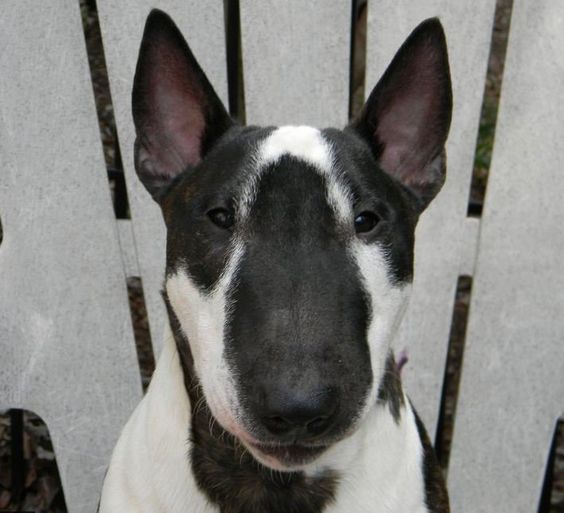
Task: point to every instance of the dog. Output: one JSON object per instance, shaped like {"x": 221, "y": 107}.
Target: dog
{"x": 289, "y": 264}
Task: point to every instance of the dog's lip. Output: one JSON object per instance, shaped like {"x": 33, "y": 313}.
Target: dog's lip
{"x": 281, "y": 456}
{"x": 290, "y": 454}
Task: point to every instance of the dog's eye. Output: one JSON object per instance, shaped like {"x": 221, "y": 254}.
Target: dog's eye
{"x": 365, "y": 221}
{"x": 222, "y": 218}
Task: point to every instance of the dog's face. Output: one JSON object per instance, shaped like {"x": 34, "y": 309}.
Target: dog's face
{"x": 290, "y": 250}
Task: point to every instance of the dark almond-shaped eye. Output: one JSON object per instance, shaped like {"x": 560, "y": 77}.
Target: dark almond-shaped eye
{"x": 222, "y": 218}
{"x": 366, "y": 221}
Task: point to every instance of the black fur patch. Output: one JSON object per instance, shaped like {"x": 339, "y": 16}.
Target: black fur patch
{"x": 228, "y": 475}
{"x": 390, "y": 390}
{"x": 436, "y": 495}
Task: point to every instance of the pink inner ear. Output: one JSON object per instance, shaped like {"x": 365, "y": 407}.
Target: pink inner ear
{"x": 181, "y": 126}
{"x": 406, "y": 129}
{"x": 176, "y": 122}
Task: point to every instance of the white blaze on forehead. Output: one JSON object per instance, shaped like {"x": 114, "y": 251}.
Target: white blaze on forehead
{"x": 303, "y": 142}
{"x": 307, "y": 144}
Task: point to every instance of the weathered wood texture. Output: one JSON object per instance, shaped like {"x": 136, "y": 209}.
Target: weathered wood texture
{"x": 296, "y": 61}
{"x": 66, "y": 345}
{"x": 512, "y": 389}
{"x": 441, "y": 249}
{"x": 122, "y": 26}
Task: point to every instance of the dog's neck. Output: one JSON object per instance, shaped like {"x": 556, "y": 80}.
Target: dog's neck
{"x": 233, "y": 480}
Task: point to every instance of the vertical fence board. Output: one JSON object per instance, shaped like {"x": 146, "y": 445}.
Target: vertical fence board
{"x": 122, "y": 27}
{"x": 512, "y": 388}
{"x": 296, "y": 61}
{"x": 65, "y": 333}
{"x": 426, "y": 328}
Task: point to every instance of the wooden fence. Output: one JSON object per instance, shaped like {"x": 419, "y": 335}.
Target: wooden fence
{"x": 66, "y": 343}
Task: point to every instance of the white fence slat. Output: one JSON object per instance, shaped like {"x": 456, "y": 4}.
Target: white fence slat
{"x": 425, "y": 330}
{"x": 512, "y": 388}
{"x": 127, "y": 247}
{"x": 122, "y": 26}
{"x": 469, "y": 247}
{"x": 65, "y": 333}
{"x": 296, "y": 61}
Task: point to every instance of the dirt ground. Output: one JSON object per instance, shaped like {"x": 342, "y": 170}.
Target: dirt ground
{"x": 41, "y": 485}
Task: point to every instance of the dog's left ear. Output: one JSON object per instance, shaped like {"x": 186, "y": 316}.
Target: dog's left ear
{"x": 177, "y": 114}
{"x": 407, "y": 116}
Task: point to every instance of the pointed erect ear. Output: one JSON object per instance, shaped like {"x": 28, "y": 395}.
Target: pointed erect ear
{"x": 177, "y": 114}
{"x": 407, "y": 116}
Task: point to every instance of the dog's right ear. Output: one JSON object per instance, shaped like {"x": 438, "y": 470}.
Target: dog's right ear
{"x": 177, "y": 114}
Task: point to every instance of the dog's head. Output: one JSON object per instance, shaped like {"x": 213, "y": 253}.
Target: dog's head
{"x": 290, "y": 250}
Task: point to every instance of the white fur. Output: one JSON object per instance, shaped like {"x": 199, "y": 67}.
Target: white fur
{"x": 303, "y": 142}
{"x": 380, "y": 467}
{"x": 388, "y": 302}
{"x": 202, "y": 317}
{"x": 150, "y": 469}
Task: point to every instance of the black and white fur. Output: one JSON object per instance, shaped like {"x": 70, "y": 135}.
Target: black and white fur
{"x": 289, "y": 264}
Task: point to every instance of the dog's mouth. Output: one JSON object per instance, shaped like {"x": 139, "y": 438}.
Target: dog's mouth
{"x": 286, "y": 456}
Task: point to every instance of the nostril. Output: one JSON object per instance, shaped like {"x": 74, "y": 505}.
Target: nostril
{"x": 318, "y": 425}
{"x": 277, "y": 425}
{"x": 300, "y": 414}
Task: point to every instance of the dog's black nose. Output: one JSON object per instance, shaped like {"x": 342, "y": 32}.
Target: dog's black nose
{"x": 299, "y": 416}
